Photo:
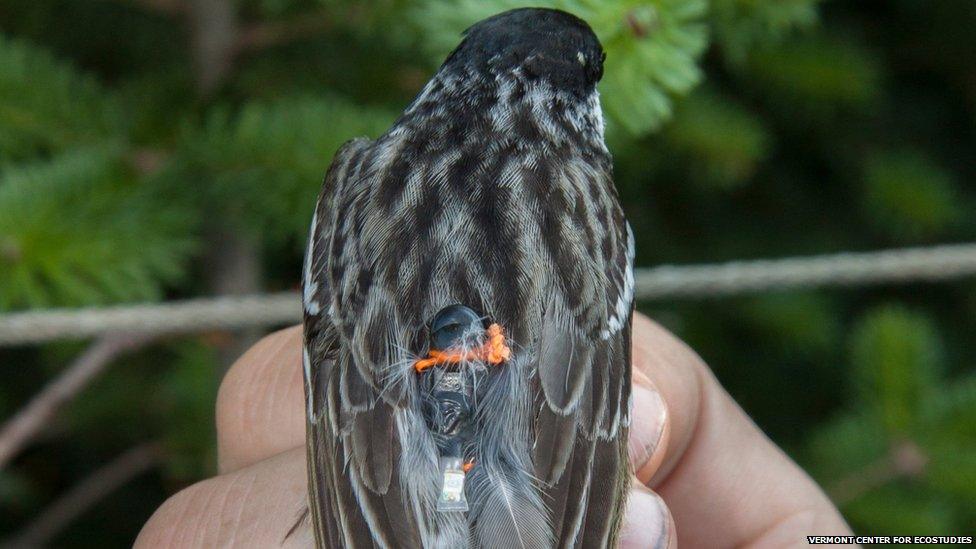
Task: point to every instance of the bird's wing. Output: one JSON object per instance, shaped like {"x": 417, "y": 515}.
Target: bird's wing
{"x": 355, "y": 502}
{"x": 583, "y": 367}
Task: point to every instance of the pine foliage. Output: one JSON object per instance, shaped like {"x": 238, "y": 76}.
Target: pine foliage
{"x": 913, "y": 433}
{"x": 77, "y": 230}
{"x": 742, "y": 25}
{"x": 722, "y": 141}
{"x": 265, "y": 162}
{"x": 47, "y": 105}
{"x": 896, "y": 355}
{"x": 908, "y": 196}
{"x": 816, "y": 73}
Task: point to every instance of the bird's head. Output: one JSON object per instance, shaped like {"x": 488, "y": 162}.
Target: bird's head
{"x": 541, "y": 44}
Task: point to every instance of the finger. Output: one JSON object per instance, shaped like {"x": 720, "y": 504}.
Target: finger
{"x": 664, "y": 364}
{"x": 720, "y": 470}
{"x": 261, "y": 402}
{"x": 649, "y": 428}
{"x": 647, "y": 521}
{"x": 252, "y": 507}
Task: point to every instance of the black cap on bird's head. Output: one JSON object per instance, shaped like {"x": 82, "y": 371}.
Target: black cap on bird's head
{"x": 541, "y": 43}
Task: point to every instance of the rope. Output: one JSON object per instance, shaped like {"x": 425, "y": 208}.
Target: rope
{"x": 229, "y": 313}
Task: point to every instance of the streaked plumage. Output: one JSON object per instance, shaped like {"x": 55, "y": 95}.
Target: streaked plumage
{"x": 493, "y": 190}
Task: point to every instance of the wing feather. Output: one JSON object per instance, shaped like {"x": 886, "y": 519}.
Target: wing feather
{"x": 554, "y": 444}
{"x": 603, "y": 502}
{"x": 565, "y": 359}
{"x": 584, "y": 377}
{"x": 352, "y": 448}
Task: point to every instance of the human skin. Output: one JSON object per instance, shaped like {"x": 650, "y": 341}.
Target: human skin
{"x": 705, "y": 474}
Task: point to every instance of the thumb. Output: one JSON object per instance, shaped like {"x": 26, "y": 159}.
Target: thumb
{"x": 647, "y": 521}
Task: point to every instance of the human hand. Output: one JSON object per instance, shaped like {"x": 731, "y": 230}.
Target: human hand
{"x": 705, "y": 473}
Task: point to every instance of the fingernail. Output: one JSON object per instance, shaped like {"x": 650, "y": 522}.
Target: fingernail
{"x": 648, "y": 419}
{"x": 646, "y": 521}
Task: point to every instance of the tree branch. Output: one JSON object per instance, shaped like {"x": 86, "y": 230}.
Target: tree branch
{"x": 24, "y": 426}
{"x": 904, "y": 459}
{"x": 84, "y": 495}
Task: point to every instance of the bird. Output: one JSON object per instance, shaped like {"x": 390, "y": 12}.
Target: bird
{"x": 468, "y": 291}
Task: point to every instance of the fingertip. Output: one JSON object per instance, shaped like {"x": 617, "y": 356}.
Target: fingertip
{"x": 649, "y": 430}
{"x": 260, "y": 403}
{"x": 675, "y": 371}
{"x": 647, "y": 521}
{"x": 251, "y": 507}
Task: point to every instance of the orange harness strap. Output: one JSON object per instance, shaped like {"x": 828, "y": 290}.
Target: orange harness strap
{"x": 494, "y": 351}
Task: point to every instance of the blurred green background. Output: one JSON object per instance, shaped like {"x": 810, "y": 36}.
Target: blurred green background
{"x": 164, "y": 149}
